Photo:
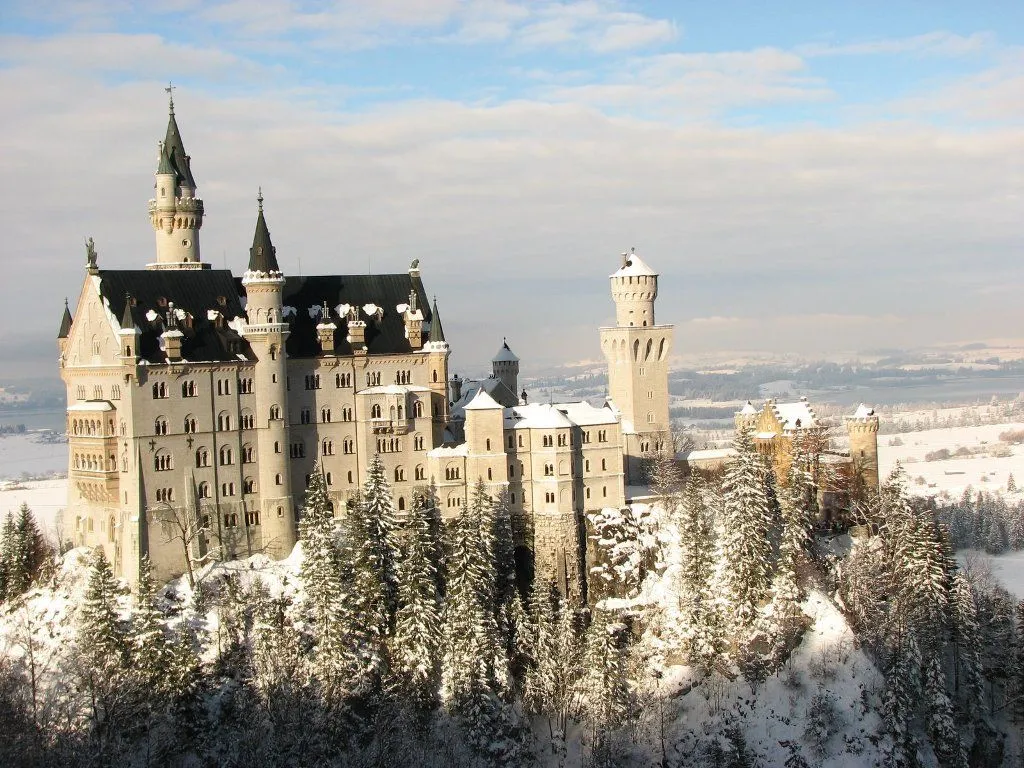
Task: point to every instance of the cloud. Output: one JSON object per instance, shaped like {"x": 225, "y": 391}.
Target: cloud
{"x": 937, "y": 43}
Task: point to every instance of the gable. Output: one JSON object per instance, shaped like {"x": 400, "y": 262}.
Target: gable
{"x": 93, "y": 340}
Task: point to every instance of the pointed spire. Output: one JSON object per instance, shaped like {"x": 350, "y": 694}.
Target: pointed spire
{"x": 436, "y": 331}
{"x": 127, "y": 321}
{"x": 174, "y": 148}
{"x": 262, "y": 255}
{"x": 164, "y": 164}
{"x": 65, "y": 323}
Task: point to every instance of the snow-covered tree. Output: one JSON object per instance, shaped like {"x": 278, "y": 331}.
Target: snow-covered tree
{"x": 746, "y": 548}
{"x": 152, "y": 654}
{"x": 372, "y": 531}
{"x": 610, "y": 699}
{"x": 697, "y": 620}
{"x": 899, "y": 702}
{"x": 417, "y": 639}
{"x": 943, "y": 729}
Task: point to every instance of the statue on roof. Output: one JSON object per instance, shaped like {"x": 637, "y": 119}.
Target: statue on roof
{"x": 412, "y": 301}
{"x": 353, "y": 313}
{"x": 90, "y": 253}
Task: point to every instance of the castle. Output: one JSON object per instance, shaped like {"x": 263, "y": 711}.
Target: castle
{"x": 200, "y": 403}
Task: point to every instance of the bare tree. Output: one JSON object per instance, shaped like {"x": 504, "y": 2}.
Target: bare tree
{"x": 188, "y": 525}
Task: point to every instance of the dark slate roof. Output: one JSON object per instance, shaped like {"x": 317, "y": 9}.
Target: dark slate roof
{"x": 174, "y": 149}
{"x": 127, "y": 319}
{"x": 383, "y": 336}
{"x": 262, "y": 255}
{"x": 193, "y": 290}
{"x": 65, "y": 322}
{"x": 436, "y": 331}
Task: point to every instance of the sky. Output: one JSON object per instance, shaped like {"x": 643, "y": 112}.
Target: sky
{"x": 806, "y": 177}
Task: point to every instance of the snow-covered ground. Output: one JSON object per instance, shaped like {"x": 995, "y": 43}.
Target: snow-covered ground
{"x": 30, "y": 454}
{"x": 46, "y": 499}
{"x": 1007, "y": 568}
{"x": 982, "y": 470}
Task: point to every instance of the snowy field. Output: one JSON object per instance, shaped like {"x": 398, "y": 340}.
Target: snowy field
{"x": 982, "y": 470}
{"x": 30, "y": 454}
{"x": 46, "y": 499}
{"x": 1007, "y": 569}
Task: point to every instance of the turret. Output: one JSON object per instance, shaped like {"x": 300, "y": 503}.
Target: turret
{"x": 505, "y": 367}
{"x": 65, "y": 330}
{"x": 438, "y": 351}
{"x": 267, "y": 332}
{"x": 175, "y": 212}
{"x": 634, "y": 289}
{"x": 129, "y": 335}
{"x": 862, "y": 427}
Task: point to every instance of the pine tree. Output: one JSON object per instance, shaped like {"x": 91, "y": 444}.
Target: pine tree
{"x": 335, "y": 659}
{"x": 1011, "y": 484}
{"x": 8, "y": 560}
{"x": 609, "y": 697}
{"x": 504, "y": 550}
{"x": 966, "y": 645}
{"x": 100, "y": 633}
{"x": 28, "y": 551}
{"x": 152, "y": 655}
{"x": 942, "y": 724}
{"x": 417, "y": 638}
{"x": 697, "y": 625}
{"x": 902, "y": 692}
{"x": 372, "y": 531}
{"x": 747, "y": 522}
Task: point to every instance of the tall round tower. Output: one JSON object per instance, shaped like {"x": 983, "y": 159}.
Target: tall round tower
{"x": 175, "y": 211}
{"x": 862, "y": 428}
{"x": 637, "y": 352}
{"x": 634, "y": 289}
{"x": 505, "y": 367}
{"x": 266, "y": 333}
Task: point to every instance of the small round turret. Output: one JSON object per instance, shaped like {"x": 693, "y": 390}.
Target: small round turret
{"x": 505, "y": 367}
{"x": 634, "y": 289}
{"x": 862, "y": 427}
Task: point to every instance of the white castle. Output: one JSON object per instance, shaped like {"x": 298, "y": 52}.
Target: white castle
{"x": 199, "y": 403}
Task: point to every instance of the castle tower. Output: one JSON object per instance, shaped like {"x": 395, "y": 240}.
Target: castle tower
{"x": 175, "y": 211}
{"x": 267, "y": 332}
{"x": 862, "y": 427}
{"x": 505, "y": 367}
{"x": 485, "y": 458}
{"x": 637, "y": 352}
{"x": 438, "y": 351}
{"x": 65, "y": 331}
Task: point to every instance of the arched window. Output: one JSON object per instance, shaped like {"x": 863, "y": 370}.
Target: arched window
{"x": 226, "y": 456}
{"x": 202, "y": 458}
{"x": 248, "y": 420}
{"x": 249, "y": 485}
{"x": 375, "y": 411}
{"x": 401, "y": 503}
{"x": 203, "y": 491}
{"x": 417, "y": 409}
{"x": 275, "y": 413}
{"x": 325, "y": 415}
{"x": 489, "y": 474}
{"x": 278, "y": 480}
{"x": 160, "y": 425}
{"x": 163, "y": 461}
{"x": 247, "y": 454}
{"x": 604, "y": 464}
{"x": 327, "y": 448}
{"x": 399, "y": 474}
{"x": 421, "y": 473}
{"x": 488, "y": 443}
{"x": 190, "y": 424}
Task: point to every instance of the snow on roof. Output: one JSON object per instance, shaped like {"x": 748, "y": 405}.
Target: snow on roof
{"x": 863, "y": 412}
{"x": 482, "y": 402}
{"x": 748, "y": 409}
{"x": 449, "y": 451}
{"x": 798, "y": 415}
{"x": 92, "y": 405}
{"x": 505, "y": 355}
{"x": 393, "y": 389}
{"x": 706, "y": 454}
{"x": 539, "y": 416}
{"x": 634, "y": 266}
{"x": 584, "y": 414}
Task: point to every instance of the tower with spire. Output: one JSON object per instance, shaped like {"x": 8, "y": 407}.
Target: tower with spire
{"x": 267, "y": 331}
{"x": 637, "y": 351}
{"x": 175, "y": 211}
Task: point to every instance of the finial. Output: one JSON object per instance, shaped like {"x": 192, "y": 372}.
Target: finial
{"x": 259, "y": 198}
{"x": 65, "y": 302}
{"x": 170, "y": 94}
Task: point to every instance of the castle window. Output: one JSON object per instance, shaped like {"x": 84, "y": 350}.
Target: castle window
{"x": 417, "y": 442}
{"x": 247, "y": 454}
{"x": 417, "y": 409}
{"x": 489, "y": 474}
{"x": 313, "y": 381}
{"x": 350, "y": 477}
{"x": 159, "y": 391}
{"x": 586, "y": 465}
{"x": 602, "y": 436}
{"x": 160, "y": 426}
{"x": 249, "y": 485}
{"x": 277, "y": 447}
{"x": 604, "y": 465}
{"x": 511, "y": 443}
{"x": 512, "y": 498}
{"x": 520, "y": 441}
{"x": 223, "y": 386}
{"x": 273, "y": 353}
{"x": 189, "y": 389}
{"x": 252, "y": 517}
{"x": 202, "y": 458}
{"x": 298, "y": 450}
{"x": 275, "y": 413}
{"x": 190, "y": 425}
{"x": 375, "y": 411}
{"x": 280, "y": 511}
{"x": 325, "y": 415}
{"x": 329, "y": 478}
{"x": 248, "y": 420}
{"x": 399, "y": 474}
{"x": 401, "y": 503}
{"x": 343, "y": 380}
{"x": 349, "y": 445}
{"x": 278, "y": 480}
{"x": 226, "y": 456}
{"x": 97, "y": 393}
{"x": 245, "y": 386}
{"x": 650, "y": 418}
{"x": 223, "y": 421}
{"x": 561, "y": 440}
{"x": 230, "y": 519}
{"x": 549, "y": 497}
{"x": 511, "y": 470}
{"x": 203, "y": 492}
{"x": 80, "y": 392}
{"x": 421, "y": 473}
{"x": 588, "y": 493}
{"x": 115, "y": 392}
{"x": 488, "y": 444}
{"x": 549, "y": 470}
{"x": 304, "y": 416}
{"x": 346, "y": 414}
{"x": 163, "y": 495}
{"x": 327, "y": 448}
{"x": 163, "y": 462}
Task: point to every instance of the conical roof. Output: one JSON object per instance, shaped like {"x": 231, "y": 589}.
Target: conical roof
{"x": 436, "y": 331}
{"x": 65, "y": 323}
{"x": 505, "y": 355}
{"x": 262, "y": 255}
{"x": 127, "y": 321}
{"x": 174, "y": 149}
